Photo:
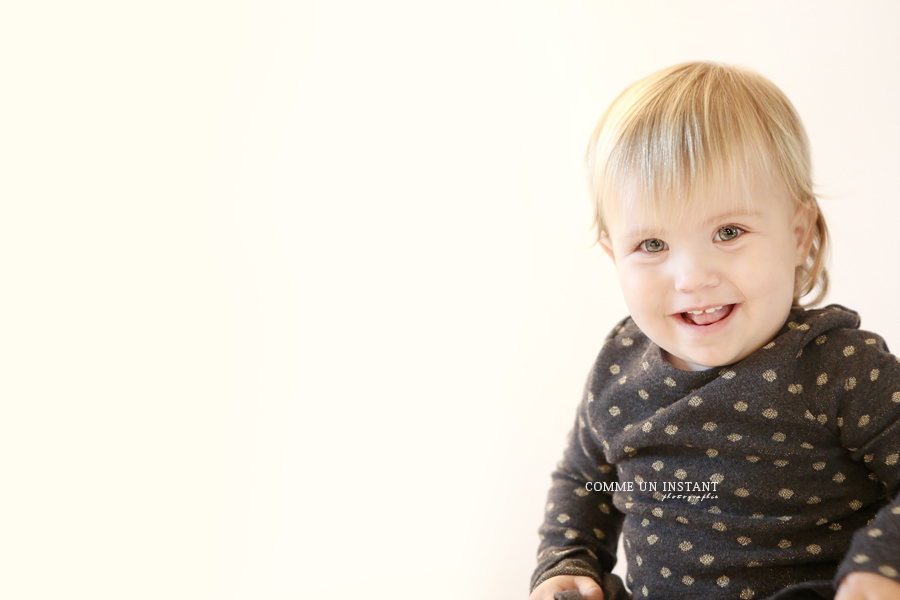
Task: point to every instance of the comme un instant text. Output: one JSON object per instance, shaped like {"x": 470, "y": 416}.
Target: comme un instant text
{"x": 645, "y": 486}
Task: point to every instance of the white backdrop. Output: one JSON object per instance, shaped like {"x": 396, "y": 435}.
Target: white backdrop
{"x": 299, "y": 298}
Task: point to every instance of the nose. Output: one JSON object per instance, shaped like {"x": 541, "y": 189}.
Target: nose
{"x": 694, "y": 271}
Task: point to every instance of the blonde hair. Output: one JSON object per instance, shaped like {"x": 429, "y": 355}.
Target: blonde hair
{"x": 691, "y": 127}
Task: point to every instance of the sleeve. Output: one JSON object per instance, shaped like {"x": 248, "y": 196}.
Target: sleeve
{"x": 580, "y": 532}
{"x": 869, "y": 425}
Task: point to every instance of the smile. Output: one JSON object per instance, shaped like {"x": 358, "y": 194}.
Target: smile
{"x": 708, "y": 320}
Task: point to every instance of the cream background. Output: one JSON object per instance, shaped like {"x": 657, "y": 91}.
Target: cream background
{"x": 299, "y": 298}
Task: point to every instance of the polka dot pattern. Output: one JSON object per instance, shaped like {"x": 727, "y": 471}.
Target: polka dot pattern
{"x": 798, "y": 442}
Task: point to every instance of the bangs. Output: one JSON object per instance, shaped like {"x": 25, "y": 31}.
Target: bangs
{"x": 694, "y": 133}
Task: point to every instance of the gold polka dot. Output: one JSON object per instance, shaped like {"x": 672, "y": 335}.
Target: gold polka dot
{"x": 614, "y": 411}
{"x": 657, "y": 465}
{"x": 803, "y": 327}
{"x": 639, "y": 560}
{"x": 643, "y": 394}
{"x": 821, "y": 339}
{"x": 860, "y": 559}
{"x": 687, "y": 580}
{"x": 712, "y": 453}
{"x": 770, "y": 413}
{"x": 809, "y": 415}
{"x": 627, "y": 341}
{"x": 629, "y": 504}
{"x": 850, "y": 383}
{"x": 874, "y": 533}
{"x": 813, "y": 500}
{"x": 784, "y": 544}
{"x": 822, "y": 419}
{"x": 769, "y": 375}
{"x": 645, "y": 365}
{"x": 604, "y": 508}
{"x": 657, "y": 512}
{"x": 681, "y": 519}
{"x": 870, "y": 341}
{"x": 719, "y": 526}
{"x": 741, "y": 406}
{"x": 821, "y": 521}
{"x": 580, "y": 491}
{"x": 895, "y": 397}
{"x": 896, "y": 510}
{"x": 855, "y": 504}
{"x": 840, "y": 421}
{"x": 562, "y": 517}
{"x": 710, "y": 426}
{"x": 813, "y": 549}
{"x": 638, "y": 479}
{"x": 793, "y": 325}
{"x": 779, "y": 437}
{"x": 680, "y": 473}
{"x": 599, "y": 534}
{"x": 742, "y": 492}
{"x": 756, "y": 516}
{"x": 722, "y": 581}
{"x": 806, "y": 445}
{"x": 644, "y": 589}
{"x": 839, "y": 477}
{"x": 754, "y": 563}
{"x": 623, "y": 379}
{"x": 785, "y": 493}
{"x": 892, "y": 459}
{"x": 873, "y": 374}
{"x": 651, "y": 539}
{"x": 695, "y": 401}
{"x": 744, "y": 540}
{"x": 835, "y": 527}
{"x": 571, "y": 534}
{"x": 753, "y": 458}
{"x": 707, "y": 559}
{"x": 671, "y": 429}
{"x": 605, "y": 468}
{"x": 658, "y": 495}
{"x": 795, "y": 388}
{"x": 646, "y": 426}
{"x": 685, "y": 546}
{"x": 614, "y": 369}
{"x": 627, "y": 427}
{"x": 747, "y": 594}
{"x": 849, "y": 350}
{"x": 734, "y": 437}
{"x": 780, "y": 463}
{"x": 728, "y": 375}
{"x": 822, "y": 379}
{"x": 887, "y": 570}
{"x": 714, "y": 510}
{"x": 715, "y": 477}
{"x": 769, "y": 345}
{"x": 785, "y": 518}
{"x": 665, "y": 572}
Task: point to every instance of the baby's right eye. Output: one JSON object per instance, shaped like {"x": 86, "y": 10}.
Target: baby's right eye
{"x": 652, "y": 246}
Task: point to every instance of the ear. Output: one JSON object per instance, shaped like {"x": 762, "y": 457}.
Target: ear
{"x": 803, "y": 227}
{"x": 606, "y": 244}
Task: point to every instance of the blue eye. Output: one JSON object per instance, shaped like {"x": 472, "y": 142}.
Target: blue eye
{"x": 652, "y": 245}
{"x": 729, "y": 232}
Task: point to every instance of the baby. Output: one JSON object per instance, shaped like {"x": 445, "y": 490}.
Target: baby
{"x": 745, "y": 445}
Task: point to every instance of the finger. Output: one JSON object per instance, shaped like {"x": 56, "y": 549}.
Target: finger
{"x": 589, "y": 588}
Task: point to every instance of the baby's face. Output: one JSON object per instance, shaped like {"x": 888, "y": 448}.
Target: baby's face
{"x": 713, "y": 257}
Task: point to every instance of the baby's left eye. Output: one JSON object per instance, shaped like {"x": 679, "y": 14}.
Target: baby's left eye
{"x": 729, "y": 232}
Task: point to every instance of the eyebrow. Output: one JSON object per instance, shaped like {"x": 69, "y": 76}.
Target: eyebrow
{"x": 718, "y": 218}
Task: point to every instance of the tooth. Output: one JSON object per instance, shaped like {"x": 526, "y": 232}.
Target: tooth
{"x": 709, "y": 310}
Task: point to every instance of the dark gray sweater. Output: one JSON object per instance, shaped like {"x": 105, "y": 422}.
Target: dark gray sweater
{"x": 774, "y": 476}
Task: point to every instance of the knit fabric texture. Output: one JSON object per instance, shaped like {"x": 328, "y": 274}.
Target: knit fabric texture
{"x": 769, "y": 478}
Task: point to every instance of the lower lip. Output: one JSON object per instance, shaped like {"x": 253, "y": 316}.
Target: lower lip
{"x": 707, "y": 329}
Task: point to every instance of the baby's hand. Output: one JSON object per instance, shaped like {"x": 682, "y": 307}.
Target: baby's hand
{"x": 561, "y": 583}
{"x": 862, "y": 585}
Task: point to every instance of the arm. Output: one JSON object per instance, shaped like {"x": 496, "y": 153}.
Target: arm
{"x": 870, "y": 429}
{"x": 581, "y": 528}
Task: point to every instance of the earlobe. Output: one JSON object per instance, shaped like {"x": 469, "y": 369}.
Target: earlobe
{"x": 606, "y": 244}
{"x": 804, "y": 231}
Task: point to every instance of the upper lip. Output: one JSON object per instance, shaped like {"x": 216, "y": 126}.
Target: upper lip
{"x": 704, "y": 307}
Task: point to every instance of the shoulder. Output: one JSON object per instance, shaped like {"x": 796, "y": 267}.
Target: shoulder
{"x": 623, "y": 348}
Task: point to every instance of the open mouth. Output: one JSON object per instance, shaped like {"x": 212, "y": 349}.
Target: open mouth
{"x": 704, "y": 319}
